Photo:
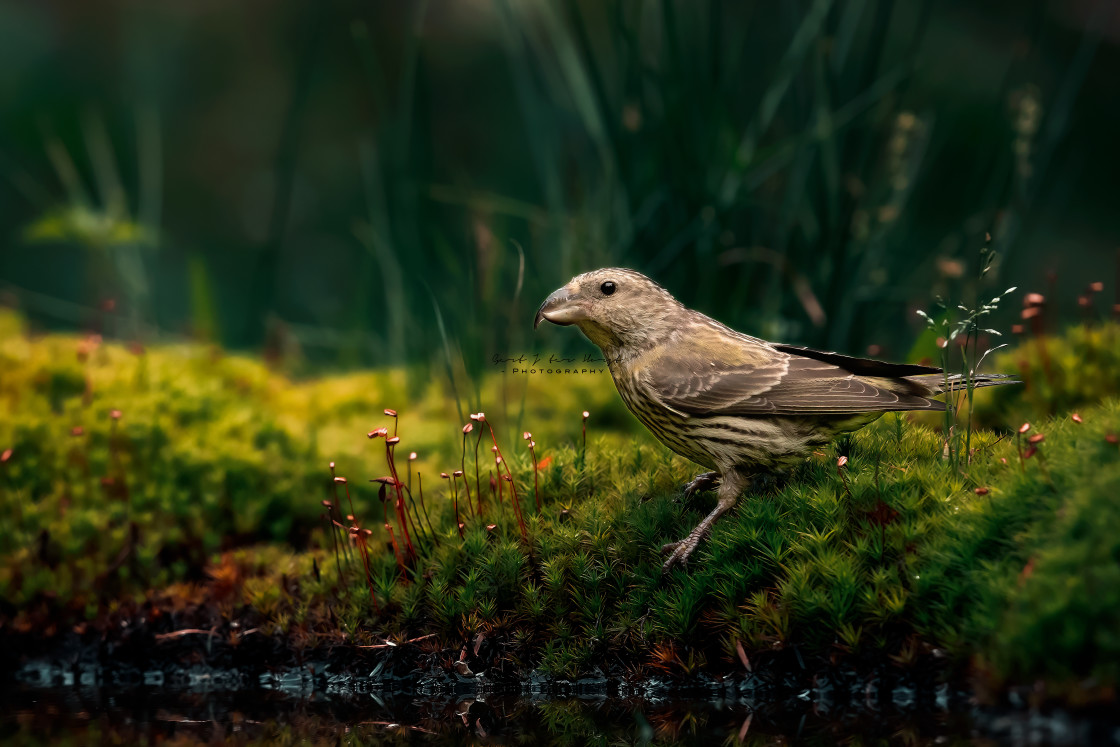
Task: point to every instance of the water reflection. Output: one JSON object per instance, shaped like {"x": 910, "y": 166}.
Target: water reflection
{"x": 86, "y": 716}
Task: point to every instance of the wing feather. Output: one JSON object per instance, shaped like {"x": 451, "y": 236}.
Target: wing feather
{"x": 730, "y": 376}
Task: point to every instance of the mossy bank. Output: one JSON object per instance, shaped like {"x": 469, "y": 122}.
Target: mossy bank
{"x": 186, "y": 487}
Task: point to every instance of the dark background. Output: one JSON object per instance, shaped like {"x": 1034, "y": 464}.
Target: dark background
{"x": 367, "y": 183}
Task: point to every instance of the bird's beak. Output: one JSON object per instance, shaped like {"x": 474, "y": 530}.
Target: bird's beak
{"x": 559, "y": 308}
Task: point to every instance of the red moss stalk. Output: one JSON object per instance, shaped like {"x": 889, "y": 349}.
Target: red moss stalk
{"x": 1018, "y": 443}
{"x": 397, "y": 551}
{"x": 454, "y": 501}
{"x": 536, "y": 479}
{"x": 402, "y": 508}
{"x": 385, "y": 481}
{"x": 1034, "y": 305}
{"x": 337, "y": 518}
{"x": 329, "y": 518}
{"x": 463, "y": 468}
{"x": 420, "y": 490}
{"x": 390, "y": 442}
{"x": 498, "y": 468}
{"x": 508, "y": 477}
{"x": 517, "y": 508}
{"x": 360, "y": 536}
{"x": 481, "y": 418}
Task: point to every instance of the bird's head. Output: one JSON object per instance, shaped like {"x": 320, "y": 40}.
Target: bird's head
{"x": 613, "y": 307}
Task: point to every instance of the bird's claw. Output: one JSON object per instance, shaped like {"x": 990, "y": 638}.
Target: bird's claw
{"x": 678, "y": 554}
{"x": 703, "y": 481}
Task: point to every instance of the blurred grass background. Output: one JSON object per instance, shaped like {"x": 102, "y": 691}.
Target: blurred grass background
{"x": 348, "y": 184}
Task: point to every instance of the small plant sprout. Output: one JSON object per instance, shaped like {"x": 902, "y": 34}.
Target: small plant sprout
{"x": 536, "y": 479}
{"x": 463, "y": 468}
{"x": 965, "y": 333}
{"x": 389, "y": 412}
{"x": 1076, "y": 417}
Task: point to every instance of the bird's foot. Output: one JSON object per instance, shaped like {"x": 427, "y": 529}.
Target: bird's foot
{"x": 679, "y": 551}
{"x": 703, "y": 481}
{"x": 731, "y": 485}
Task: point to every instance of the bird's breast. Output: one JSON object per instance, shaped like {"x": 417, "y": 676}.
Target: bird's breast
{"x": 670, "y": 428}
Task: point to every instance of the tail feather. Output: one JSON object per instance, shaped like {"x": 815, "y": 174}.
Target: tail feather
{"x": 939, "y": 383}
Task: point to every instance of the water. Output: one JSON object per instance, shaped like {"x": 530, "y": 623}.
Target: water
{"x": 87, "y": 704}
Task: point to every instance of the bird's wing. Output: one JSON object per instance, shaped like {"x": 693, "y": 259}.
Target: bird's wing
{"x": 713, "y": 373}
{"x": 860, "y": 366}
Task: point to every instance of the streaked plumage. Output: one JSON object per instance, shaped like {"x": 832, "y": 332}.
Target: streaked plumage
{"x": 736, "y": 404}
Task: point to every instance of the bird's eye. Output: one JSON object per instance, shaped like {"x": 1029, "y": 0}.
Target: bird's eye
{"x": 607, "y": 288}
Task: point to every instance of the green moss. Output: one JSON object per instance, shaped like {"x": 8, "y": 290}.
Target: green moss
{"x": 1060, "y": 374}
{"x": 1007, "y": 561}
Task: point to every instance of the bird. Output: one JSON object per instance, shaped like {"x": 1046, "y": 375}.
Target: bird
{"x": 746, "y": 409}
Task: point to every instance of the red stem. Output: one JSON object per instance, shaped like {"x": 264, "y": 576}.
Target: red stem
{"x": 467, "y": 485}
{"x": 512, "y": 486}
{"x": 455, "y": 502}
{"x": 477, "y": 484}
{"x": 536, "y": 480}
{"x": 401, "y": 508}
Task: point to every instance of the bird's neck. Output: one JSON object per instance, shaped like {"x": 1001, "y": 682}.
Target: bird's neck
{"x": 618, "y": 350}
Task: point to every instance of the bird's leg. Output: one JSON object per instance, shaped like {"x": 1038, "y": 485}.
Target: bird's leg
{"x": 731, "y": 485}
{"x": 703, "y": 481}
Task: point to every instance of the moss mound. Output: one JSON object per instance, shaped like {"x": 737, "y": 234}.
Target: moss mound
{"x": 207, "y": 489}
{"x": 1059, "y": 373}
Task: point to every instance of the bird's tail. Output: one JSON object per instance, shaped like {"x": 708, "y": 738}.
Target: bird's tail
{"x": 939, "y": 383}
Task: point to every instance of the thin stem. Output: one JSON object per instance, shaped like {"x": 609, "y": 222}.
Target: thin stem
{"x": 463, "y": 468}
